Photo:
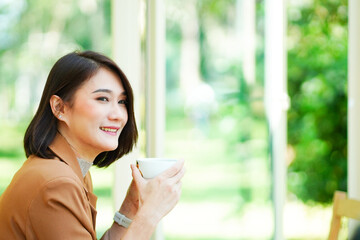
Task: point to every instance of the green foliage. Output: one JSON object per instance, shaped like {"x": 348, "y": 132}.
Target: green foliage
{"x": 34, "y": 34}
{"x": 317, "y": 120}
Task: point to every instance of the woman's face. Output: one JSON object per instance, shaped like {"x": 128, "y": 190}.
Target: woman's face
{"x": 97, "y": 114}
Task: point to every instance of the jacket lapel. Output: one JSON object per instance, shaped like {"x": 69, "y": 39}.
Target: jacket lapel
{"x": 64, "y": 152}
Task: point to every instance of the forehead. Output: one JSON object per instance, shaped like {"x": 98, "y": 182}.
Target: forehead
{"x": 104, "y": 79}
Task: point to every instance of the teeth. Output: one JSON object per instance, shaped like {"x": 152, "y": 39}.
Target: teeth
{"x": 108, "y": 129}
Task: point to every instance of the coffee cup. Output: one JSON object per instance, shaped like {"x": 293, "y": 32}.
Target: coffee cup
{"x": 151, "y": 167}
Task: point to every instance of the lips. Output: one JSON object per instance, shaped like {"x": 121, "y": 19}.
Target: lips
{"x": 109, "y": 129}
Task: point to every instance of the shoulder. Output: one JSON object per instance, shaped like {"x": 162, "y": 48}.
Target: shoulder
{"x": 37, "y": 175}
{"x": 43, "y": 187}
{"x": 47, "y": 170}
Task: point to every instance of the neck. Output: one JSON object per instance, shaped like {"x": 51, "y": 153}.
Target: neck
{"x": 87, "y": 157}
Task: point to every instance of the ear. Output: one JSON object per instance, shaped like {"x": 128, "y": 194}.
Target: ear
{"x": 57, "y": 107}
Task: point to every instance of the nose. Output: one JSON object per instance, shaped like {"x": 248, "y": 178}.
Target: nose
{"x": 118, "y": 113}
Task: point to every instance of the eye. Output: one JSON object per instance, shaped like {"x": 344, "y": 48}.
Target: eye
{"x": 102, "y": 99}
{"x": 122, "y": 102}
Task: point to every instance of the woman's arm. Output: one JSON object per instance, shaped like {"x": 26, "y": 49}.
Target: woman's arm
{"x": 155, "y": 198}
{"x": 129, "y": 208}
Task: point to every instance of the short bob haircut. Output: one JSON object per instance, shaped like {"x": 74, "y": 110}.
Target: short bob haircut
{"x": 66, "y": 76}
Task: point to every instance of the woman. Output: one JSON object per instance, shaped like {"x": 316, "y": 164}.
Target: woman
{"x": 85, "y": 117}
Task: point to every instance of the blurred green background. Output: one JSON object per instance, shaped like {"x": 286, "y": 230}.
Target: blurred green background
{"x": 215, "y": 115}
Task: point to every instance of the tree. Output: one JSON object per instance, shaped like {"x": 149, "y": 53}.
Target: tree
{"x": 317, "y": 120}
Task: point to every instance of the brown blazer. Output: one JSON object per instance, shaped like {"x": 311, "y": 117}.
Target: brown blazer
{"x": 49, "y": 199}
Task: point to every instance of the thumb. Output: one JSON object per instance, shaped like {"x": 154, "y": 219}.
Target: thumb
{"x": 136, "y": 175}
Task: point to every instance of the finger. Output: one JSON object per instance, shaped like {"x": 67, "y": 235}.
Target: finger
{"x": 174, "y": 169}
{"x": 177, "y": 178}
{"x": 178, "y": 190}
{"x": 136, "y": 174}
{"x": 179, "y": 185}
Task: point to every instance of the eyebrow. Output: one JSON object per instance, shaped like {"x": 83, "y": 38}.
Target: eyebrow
{"x": 107, "y": 91}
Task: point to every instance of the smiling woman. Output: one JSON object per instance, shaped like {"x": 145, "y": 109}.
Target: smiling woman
{"x": 85, "y": 117}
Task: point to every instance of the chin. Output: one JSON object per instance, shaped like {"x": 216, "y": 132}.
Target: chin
{"x": 109, "y": 148}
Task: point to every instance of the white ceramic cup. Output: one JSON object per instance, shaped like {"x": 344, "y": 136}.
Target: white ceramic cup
{"x": 151, "y": 167}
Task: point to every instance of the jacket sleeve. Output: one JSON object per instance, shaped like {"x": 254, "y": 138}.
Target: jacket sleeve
{"x": 61, "y": 210}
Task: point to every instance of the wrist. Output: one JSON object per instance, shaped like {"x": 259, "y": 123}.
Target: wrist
{"x": 128, "y": 209}
{"x": 148, "y": 215}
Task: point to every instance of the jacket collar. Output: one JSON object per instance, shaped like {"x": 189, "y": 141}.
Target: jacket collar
{"x": 65, "y": 153}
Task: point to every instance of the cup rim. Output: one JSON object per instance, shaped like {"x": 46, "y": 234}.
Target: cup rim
{"x": 158, "y": 159}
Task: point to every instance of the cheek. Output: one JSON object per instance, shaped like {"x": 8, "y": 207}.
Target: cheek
{"x": 87, "y": 113}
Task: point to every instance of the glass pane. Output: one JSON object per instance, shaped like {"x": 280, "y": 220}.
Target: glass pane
{"x": 216, "y": 120}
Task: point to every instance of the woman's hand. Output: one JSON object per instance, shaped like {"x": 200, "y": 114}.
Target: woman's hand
{"x": 158, "y": 196}
{"x": 147, "y": 202}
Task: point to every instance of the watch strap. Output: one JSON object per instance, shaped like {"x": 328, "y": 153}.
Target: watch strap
{"x": 122, "y": 220}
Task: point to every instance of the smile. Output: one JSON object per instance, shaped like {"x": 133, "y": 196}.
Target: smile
{"x": 107, "y": 129}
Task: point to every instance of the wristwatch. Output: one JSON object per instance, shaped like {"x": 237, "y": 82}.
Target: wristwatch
{"x": 122, "y": 220}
